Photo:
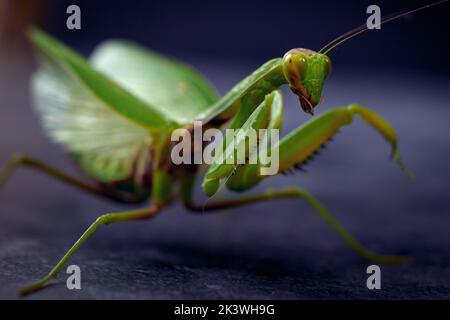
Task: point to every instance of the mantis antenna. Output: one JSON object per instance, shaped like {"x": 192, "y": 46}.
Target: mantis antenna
{"x": 363, "y": 28}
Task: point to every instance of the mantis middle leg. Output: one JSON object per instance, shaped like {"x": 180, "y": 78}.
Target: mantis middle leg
{"x": 290, "y": 193}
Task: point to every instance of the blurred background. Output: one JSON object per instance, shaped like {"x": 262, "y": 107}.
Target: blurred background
{"x": 273, "y": 250}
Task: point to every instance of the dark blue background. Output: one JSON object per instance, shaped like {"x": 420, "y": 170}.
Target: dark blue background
{"x": 254, "y": 29}
{"x": 272, "y": 250}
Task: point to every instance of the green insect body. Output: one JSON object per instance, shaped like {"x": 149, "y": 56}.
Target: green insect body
{"x": 116, "y": 111}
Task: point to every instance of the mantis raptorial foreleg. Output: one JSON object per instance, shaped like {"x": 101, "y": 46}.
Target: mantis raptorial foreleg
{"x": 301, "y": 144}
{"x": 22, "y": 160}
{"x": 267, "y": 115}
{"x": 289, "y": 193}
{"x": 102, "y": 220}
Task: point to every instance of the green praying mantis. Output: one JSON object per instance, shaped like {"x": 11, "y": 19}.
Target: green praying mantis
{"x": 115, "y": 113}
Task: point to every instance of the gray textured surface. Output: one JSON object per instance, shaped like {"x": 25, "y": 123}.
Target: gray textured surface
{"x": 272, "y": 250}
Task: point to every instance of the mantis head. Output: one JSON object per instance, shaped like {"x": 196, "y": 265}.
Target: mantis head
{"x": 305, "y": 71}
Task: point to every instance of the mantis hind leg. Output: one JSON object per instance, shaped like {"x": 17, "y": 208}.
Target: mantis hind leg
{"x": 102, "y": 220}
{"x": 22, "y": 160}
{"x": 290, "y": 193}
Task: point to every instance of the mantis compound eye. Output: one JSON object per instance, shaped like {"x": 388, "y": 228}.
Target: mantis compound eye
{"x": 294, "y": 66}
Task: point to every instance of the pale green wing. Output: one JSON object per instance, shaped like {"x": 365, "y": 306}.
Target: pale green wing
{"x": 105, "y": 90}
{"x": 173, "y": 88}
{"x": 105, "y": 143}
{"x": 103, "y": 112}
